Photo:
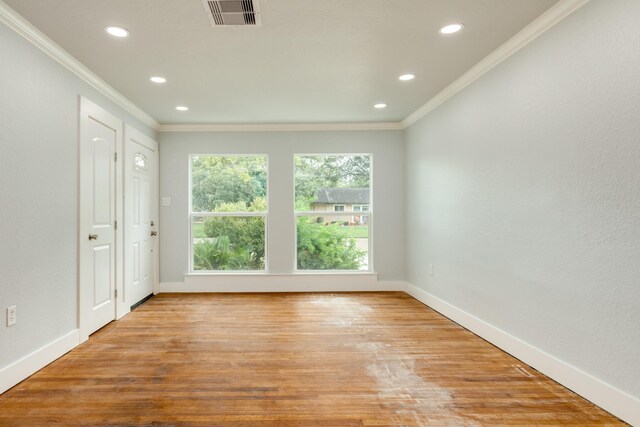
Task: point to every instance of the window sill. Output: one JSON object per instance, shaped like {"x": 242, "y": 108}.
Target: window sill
{"x": 295, "y": 273}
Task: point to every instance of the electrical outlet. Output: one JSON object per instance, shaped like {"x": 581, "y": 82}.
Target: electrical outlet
{"x": 430, "y": 269}
{"x": 11, "y": 315}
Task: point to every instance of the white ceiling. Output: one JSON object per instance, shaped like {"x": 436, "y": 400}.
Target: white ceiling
{"x": 311, "y": 61}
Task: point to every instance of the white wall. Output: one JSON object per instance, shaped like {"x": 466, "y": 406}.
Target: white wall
{"x": 523, "y": 191}
{"x": 385, "y": 146}
{"x": 39, "y": 109}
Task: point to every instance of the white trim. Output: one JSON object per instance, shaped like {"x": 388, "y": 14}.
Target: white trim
{"x": 298, "y": 282}
{"x": 25, "y": 29}
{"x": 156, "y": 261}
{"x": 31, "y": 363}
{"x": 529, "y": 33}
{"x": 279, "y": 127}
{"x": 262, "y": 214}
{"x": 597, "y": 391}
{"x": 537, "y": 27}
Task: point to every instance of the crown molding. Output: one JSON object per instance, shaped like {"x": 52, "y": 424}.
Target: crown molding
{"x": 548, "y": 19}
{"x": 24, "y": 28}
{"x": 276, "y": 127}
{"x": 537, "y": 27}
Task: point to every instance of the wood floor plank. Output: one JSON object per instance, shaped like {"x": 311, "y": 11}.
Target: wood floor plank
{"x": 355, "y": 359}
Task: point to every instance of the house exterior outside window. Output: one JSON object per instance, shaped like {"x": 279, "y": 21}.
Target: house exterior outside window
{"x": 341, "y": 200}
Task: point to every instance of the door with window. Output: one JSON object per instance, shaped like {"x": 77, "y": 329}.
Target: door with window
{"x": 140, "y": 216}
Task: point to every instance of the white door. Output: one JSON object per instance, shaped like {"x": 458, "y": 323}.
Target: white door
{"x": 140, "y": 216}
{"x": 98, "y": 144}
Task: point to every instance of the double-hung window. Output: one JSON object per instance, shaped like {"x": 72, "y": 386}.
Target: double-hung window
{"x": 331, "y": 194}
{"x": 228, "y": 213}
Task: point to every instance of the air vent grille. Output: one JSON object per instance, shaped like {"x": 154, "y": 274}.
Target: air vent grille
{"x": 233, "y": 12}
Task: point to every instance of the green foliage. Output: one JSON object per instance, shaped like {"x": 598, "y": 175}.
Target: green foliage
{"x": 243, "y": 233}
{"x": 259, "y": 204}
{"x": 217, "y": 254}
{"x": 218, "y": 180}
{"x": 326, "y": 247}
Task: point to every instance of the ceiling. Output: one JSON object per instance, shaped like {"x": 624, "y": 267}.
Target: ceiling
{"x": 311, "y": 61}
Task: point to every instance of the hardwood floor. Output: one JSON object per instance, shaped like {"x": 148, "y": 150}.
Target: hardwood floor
{"x": 357, "y": 359}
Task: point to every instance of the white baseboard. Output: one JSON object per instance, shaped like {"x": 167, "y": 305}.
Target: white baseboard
{"x": 617, "y": 402}
{"x": 31, "y": 363}
{"x": 282, "y": 283}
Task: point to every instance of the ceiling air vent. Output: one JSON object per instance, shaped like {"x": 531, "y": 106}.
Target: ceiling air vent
{"x": 233, "y": 12}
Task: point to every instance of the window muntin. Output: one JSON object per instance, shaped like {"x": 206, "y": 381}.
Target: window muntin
{"x": 328, "y": 236}
{"x": 228, "y": 214}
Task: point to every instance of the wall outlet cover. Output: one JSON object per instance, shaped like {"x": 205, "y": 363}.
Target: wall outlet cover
{"x": 12, "y": 317}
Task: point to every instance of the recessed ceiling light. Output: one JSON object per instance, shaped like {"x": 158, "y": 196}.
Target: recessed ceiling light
{"x": 157, "y": 79}
{"x": 406, "y": 77}
{"x": 117, "y": 31}
{"x": 182, "y": 108}
{"x": 450, "y": 29}
{"x": 380, "y": 106}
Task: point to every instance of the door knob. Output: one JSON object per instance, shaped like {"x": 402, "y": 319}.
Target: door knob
{"x": 154, "y": 233}
{"x": 93, "y": 237}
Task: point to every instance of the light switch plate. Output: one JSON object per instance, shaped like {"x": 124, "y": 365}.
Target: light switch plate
{"x": 166, "y": 201}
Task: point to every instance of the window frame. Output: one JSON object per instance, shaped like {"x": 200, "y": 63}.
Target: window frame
{"x": 346, "y": 213}
{"x": 191, "y": 214}
{"x": 344, "y": 207}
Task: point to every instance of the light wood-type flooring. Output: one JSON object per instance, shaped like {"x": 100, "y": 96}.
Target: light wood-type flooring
{"x": 353, "y": 359}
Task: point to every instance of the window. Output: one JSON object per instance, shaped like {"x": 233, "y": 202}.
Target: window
{"x": 139, "y": 162}
{"x": 330, "y": 233}
{"x": 360, "y": 218}
{"x": 228, "y": 212}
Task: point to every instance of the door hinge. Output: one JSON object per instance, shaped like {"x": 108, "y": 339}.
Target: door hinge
{"x": 115, "y": 224}
{"x": 115, "y": 157}
{"x": 115, "y": 293}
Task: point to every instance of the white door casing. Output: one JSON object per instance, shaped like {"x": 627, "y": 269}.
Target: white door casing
{"x": 98, "y": 241}
{"x": 141, "y": 216}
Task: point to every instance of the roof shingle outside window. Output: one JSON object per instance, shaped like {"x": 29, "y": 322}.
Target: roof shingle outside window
{"x": 358, "y": 196}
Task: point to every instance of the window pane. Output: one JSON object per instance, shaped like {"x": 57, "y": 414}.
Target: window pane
{"x": 229, "y": 184}
{"x": 322, "y": 181}
{"x": 140, "y": 162}
{"x": 228, "y": 243}
{"x": 332, "y": 243}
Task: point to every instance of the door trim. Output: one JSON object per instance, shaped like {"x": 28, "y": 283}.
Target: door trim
{"x": 131, "y": 133}
{"x": 89, "y": 109}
